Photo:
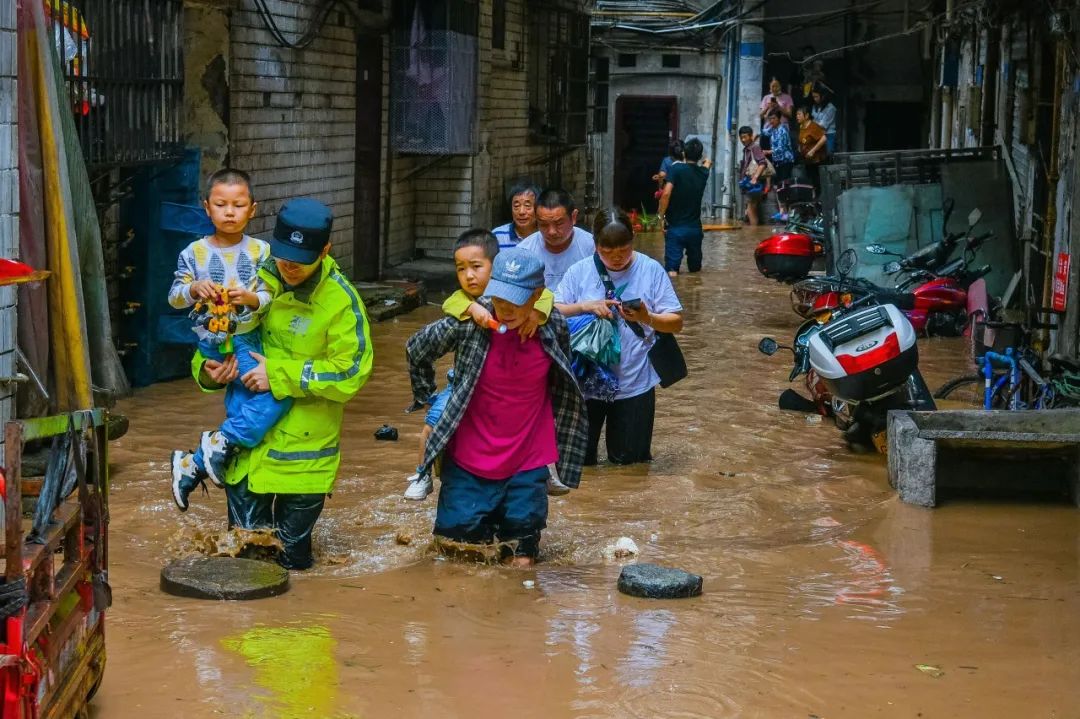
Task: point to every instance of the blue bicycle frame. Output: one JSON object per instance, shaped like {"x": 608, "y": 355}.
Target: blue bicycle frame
{"x": 990, "y": 388}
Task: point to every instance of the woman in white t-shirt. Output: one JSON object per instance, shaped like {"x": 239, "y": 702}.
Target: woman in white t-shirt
{"x": 641, "y": 293}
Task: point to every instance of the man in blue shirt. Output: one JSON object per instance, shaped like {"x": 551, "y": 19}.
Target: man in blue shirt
{"x": 680, "y": 209}
{"x": 522, "y": 199}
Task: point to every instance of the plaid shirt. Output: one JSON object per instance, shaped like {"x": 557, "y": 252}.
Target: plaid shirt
{"x": 471, "y": 344}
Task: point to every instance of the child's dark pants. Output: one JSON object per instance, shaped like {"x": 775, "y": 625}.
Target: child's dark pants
{"x": 475, "y": 510}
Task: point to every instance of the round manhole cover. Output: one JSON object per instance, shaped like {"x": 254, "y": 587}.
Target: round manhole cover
{"x": 223, "y": 578}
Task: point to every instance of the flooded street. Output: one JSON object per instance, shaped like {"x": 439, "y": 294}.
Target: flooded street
{"x": 822, "y": 591}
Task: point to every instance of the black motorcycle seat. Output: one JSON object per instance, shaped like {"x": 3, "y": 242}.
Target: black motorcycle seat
{"x": 902, "y": 300}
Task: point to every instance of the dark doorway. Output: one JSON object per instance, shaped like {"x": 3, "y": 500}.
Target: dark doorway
{"x": 894, "y": 126}
{"x": 643, "y": 128}
{"x": 369, "y": 75}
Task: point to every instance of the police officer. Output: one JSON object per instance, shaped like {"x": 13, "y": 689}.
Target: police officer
{"x": 318, "y": 350}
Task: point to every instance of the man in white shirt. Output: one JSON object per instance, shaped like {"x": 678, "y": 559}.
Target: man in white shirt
{"x": 558, "y": 242}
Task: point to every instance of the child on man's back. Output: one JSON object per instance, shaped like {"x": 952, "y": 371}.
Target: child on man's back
{"x": 474, "y": 252}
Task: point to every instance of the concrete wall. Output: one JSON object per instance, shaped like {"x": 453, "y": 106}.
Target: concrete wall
{"x": 695, "y": 85}
{"x": 292, "y": 114}
{"x": 9, "y": 204}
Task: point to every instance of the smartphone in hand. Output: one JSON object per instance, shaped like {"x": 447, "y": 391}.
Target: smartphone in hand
{"x": 634, "y": 305}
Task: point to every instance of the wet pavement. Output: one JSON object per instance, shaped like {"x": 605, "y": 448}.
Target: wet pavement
{"x": 822, "y": 591}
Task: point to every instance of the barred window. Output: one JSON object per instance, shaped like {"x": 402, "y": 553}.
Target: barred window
{"x": 433, "y": 77}
{"x": 558, "y": 75}
{"x": 123, "y": 67}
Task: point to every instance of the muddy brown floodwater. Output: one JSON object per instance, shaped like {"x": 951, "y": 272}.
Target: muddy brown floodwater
{"x": 822, "y": 591}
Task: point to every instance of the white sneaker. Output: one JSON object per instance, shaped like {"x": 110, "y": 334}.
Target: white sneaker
{"x": 420, "y": 486}
{"x": 555, "y": 487}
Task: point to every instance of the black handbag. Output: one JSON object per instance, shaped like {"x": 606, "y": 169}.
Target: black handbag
{"x": 665, "y": 355}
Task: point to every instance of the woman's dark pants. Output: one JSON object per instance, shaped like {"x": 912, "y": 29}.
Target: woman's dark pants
{"x": 629, "y": 428}
{"x": 292, "y": 515}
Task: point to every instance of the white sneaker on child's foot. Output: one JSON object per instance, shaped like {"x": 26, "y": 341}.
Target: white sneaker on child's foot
{"x": 420, "y": 486}
{"x": 217, "y": 453}
{"x": 555, "y": 487}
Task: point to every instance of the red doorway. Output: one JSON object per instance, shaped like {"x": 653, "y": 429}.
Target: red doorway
{"x": 644, "y": 125}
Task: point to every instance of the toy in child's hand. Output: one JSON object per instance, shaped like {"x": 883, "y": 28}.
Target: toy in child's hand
{"x": 495, "y": 326}
{"x": 216, "y": 319}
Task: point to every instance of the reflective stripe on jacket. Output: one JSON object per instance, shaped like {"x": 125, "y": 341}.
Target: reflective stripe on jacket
{"x": 317, "y": 343}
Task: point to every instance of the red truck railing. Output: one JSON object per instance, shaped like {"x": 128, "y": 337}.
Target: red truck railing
{"x": 52, "y": 649}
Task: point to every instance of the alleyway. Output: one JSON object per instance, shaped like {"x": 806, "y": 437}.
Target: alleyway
{"x": 822, "y": 591}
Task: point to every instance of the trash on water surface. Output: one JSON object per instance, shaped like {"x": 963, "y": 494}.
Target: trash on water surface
{"x": 930, "y": 670}
{"x": 813, "y": 419}
{"x": 528, "y": 584}
{"x": 620, "y": 548}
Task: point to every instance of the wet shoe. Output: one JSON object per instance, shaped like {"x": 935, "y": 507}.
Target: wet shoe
{"x": 185, "y": 478}
{"x": 217, "y": 451}
{"x": 555, "y": 487}
{"x": 420, "y": 486}
{"x": 198, "y": 458}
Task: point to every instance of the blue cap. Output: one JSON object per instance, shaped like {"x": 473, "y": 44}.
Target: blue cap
{"x": 301, "y": 231}
{"x": 515, "y": 275}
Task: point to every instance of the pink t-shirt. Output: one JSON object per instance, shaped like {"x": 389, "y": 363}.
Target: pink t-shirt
{"x": 509, "y": 425}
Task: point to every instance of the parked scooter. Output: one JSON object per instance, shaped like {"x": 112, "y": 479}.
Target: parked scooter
{"x": 932, "y": 293}
{"x": 860, "y": 360}
{"x": 789, "y": 255}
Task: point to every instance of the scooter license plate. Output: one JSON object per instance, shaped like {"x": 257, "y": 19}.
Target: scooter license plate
{"x": 881, "y": 442}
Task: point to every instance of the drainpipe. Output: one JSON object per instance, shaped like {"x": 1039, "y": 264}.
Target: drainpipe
{"x": 732, "y": 70}
{"x": 715, "y": 142}
{"x": 1052, "y": 176}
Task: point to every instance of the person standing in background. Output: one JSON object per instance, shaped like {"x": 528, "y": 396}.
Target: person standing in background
{"x": 680, "y": 209}
{"x": 811, "y": 146}
{"x": 824, "y": 114}
{"x": 776, "y": 99}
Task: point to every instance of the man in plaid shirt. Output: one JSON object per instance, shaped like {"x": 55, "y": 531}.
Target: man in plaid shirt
{"x": 514, "y": 409}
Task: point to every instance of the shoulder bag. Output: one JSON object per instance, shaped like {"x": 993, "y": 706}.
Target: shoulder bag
{"x": 665, "y": 355}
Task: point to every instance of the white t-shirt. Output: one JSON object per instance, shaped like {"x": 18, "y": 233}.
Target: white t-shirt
{"x": 644, "y": 279}
{"x": 556, "y": 265}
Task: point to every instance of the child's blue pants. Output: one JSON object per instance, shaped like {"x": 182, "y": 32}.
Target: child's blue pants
{"x": 248, "y": 415}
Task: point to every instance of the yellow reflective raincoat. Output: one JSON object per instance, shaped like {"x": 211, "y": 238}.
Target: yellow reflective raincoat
{"x": 317, "y": 343}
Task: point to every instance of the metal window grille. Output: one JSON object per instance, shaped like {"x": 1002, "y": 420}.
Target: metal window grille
{"x": 558, "y": 75}
{"x": 123, "y": 67}
{"x": 433, "y": 72}
{"x": 601, "y": 93}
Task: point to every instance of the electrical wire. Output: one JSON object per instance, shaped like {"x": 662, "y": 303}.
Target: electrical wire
{"x": 917, "y": 27}
{"x": 308, "y": 36}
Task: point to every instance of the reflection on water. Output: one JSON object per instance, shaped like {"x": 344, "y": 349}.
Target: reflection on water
{"x": 821, "y": 590}
{"x": 295, "y": 666}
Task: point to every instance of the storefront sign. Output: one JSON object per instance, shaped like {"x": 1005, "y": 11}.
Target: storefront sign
{"x": 1061, "y": 281}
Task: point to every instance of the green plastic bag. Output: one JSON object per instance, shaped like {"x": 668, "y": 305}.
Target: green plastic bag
{"x": 597, "y": 339}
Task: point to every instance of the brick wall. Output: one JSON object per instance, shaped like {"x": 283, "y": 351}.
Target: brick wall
{"x": 293, "y": 114}
{"x": 9, "y": 203}
{"x": 436, "y": 204}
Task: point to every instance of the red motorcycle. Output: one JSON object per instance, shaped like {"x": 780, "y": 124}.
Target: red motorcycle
{"x": 932, "y": 294}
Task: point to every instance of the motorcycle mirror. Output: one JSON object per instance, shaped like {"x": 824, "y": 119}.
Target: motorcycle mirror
{"x": 974, "y": 217}
{"x": 767, "y": 346}
{"x": 876, "y": 250}
{"x": 891, "y": 268}
{"x": 846, "y": 262}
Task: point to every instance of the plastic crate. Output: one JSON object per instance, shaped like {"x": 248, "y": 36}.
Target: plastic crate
{"x": 995, "y": 336}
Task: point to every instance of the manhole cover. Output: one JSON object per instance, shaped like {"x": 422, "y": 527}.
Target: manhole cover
{"x": 223, "y": 578}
